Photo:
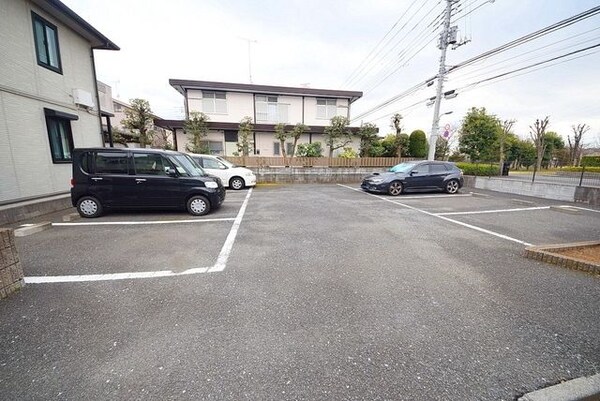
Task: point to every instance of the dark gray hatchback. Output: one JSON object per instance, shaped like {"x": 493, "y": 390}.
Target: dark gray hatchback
{"x": 416, "y": 176}
{"x": 111, "y": 178}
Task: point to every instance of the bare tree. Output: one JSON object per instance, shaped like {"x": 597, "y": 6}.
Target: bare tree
{"x": 397, "y": 125}
{"x": 575, "y": 145}
{"x": 506, "y": 128}
{"x": 281, "y": 135}
{"x": 538, "y": 136}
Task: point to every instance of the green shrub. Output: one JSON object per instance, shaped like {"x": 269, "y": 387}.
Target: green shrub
{"x": 479, "y": 169}
{"x": 590, "y": 161}
{"x": 578, "y": 169}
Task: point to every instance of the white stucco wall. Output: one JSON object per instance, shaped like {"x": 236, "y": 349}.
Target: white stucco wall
{"x": 239, "y": 105}
{"x": 310, "y": 111}
{"x": 26, "y": 167}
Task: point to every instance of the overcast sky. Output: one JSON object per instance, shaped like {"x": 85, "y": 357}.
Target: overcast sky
{"x": 320, "y": 43}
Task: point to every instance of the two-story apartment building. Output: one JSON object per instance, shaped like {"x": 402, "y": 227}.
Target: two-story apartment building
{"x": 48, "y": 96}
{"x": 226, "y": 104}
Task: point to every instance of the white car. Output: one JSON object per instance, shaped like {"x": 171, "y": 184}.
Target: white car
{"x": 232, "y": 176}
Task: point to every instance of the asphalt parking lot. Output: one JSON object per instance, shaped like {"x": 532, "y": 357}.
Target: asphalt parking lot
{"x": 304, "y": 292}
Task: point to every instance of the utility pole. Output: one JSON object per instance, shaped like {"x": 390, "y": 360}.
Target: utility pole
{"x": 444, "y": 42}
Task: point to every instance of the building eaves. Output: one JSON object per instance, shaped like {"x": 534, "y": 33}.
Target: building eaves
{"x": 181, "y": 85}
{"x": 68, "y": 17}
{"x": 179, "y": 124}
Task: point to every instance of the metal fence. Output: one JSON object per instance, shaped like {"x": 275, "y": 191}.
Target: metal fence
{"x": 576, "y": 178}
{"x": 260, "y": 161}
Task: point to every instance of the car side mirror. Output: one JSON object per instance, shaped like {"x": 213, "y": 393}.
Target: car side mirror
{"x": 414, "y": 173}
{"x": 171, "y": 172}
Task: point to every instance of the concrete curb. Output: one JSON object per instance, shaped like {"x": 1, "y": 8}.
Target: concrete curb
{"x": 32, "y": 229}
{"x": 565, "y": 209}
{"x": 546, "y": 254}
{"x": 522, "y": 202}
{"x": 71, "y": 217}
{"x": 479, "y": 195}
{"x": 581, "y": 389}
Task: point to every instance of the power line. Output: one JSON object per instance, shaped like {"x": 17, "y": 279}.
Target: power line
{"x": 358, "y": 78}
{"x": 393, "y": 99}
{"x": 415, "y": 42}
{"x": 517, "y": 42}
{"x": 532, "y": 65}
{"x": 527, "y": 38}
{"x": 378, "y": 43}
{"x": 472, "y": 74}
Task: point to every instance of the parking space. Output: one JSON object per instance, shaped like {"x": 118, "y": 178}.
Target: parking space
{"x": 127, "y": 245}
{"x": 306, "y": 292}
{"x": 525, "y": 220}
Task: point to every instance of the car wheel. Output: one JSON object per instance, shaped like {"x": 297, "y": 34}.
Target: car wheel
{"x": 395, "y": 188}
{"x": 88, "y": 206}
{"x": 452, "y": 186}
{"x": 236, "y": 183}
{"x": 198, "y": 205}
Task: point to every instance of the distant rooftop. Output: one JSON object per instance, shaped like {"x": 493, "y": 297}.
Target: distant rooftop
{"x": 181, "y": 85}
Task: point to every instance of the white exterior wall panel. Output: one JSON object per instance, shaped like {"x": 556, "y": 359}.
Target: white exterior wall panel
{"x": 239, "y": 105}
{"x": 310, "y": 111}
{"x": 26, "y": 167}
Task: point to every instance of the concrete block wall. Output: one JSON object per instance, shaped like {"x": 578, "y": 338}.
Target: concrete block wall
{"x": 312, "y": 175}
{"x": 11, "y": 272}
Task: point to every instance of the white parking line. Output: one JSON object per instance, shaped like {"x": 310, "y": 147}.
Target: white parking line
{"x": 460, "y": 223}
{"x": 110, "y": 276}
{"x": 584, "y": 208}
{"x": 521, "y": 209}
{"x": 228, "y": 246}
{"x": 217, "y": 267}
{"x": 136, "y": 223}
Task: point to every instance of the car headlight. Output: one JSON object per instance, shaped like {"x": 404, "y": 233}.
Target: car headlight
{"x": 211, "y": 184}
{"x": 377, "y": 180}
{"x": 249, "y": 174}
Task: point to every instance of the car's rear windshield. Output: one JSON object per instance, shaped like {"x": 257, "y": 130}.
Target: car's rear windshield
{"x": 402, "y": 167}
{"x": 186, "y": 166}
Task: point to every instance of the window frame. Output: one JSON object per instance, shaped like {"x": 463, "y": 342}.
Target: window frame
{"x": 326, "y": 107}
{"x": 46, "y": 24}
{"x": 270, "y": 104}
{"x": 213, "y": 102}
{"x": 53, "y": 116}
{"x": 276, "y": 149}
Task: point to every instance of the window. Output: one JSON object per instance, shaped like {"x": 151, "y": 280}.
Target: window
{"x": 46, "y": 43}
{"x": 231, "y": 136}
{"x": 215, "y": 147}
{"x": 214, "y": 102}
{"x": 267, "y": 108}
{"x": 213, "y": 164}
{"x": 422, "y": 169}
{"x": 276, "y": 151}
{"x": 112, "y": 163}
{"x": 437, "y": 169}
{"x": 149, "y": 164}
{"x": 60, "y": 135}
{"x": 289, "y": 148}
{"x": 326, "y": 108}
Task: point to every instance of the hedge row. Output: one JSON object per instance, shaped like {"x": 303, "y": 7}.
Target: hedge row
{"x": 590, "y": 161}
{"x": 578, "y": 169}
{"x": 479, "y": 169}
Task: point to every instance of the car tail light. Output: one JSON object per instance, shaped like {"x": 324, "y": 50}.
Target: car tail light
{"x": 72, "y": 182}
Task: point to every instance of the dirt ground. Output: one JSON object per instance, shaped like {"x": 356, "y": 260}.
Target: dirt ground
{"x": 589, "y": 253}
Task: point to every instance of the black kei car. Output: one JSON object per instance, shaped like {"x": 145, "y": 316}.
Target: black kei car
{"x": 123, "y": 178}
{"x": 416, "y": 176}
